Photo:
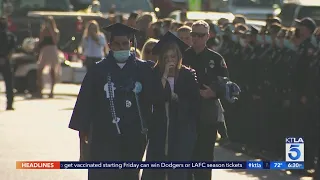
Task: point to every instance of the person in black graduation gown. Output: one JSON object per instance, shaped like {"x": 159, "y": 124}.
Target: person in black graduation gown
{"x": 107, "y": 103}
{"x": 181, "y": 101}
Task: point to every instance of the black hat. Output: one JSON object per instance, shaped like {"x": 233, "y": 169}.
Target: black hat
{"x": 134, "y": 15}
{"x": 119, "y": 29}
{"x": 274, "y": 20}
{"x": 228, "y": 28}
{"x": 252, "y": 31}
{"x": 214, "y": 28}
{"x": 168, "y": 38}
{"x": 307, "y": 22}
{"x": 275, "y": 28}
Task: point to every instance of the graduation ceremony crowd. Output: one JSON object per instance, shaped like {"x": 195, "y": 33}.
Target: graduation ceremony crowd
{"x": 170, "y": 86}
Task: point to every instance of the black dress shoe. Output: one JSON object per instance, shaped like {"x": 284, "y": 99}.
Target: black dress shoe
{"x": 9, "y": 108}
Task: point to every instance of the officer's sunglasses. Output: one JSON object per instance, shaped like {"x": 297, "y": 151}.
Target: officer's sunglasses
{"x": 197, "y": 34}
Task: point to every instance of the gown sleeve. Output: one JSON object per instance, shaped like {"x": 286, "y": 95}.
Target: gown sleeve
{"x": 156, "y": 122}
{"x": 83, "y": 109}
{"x": 194, "y": 95}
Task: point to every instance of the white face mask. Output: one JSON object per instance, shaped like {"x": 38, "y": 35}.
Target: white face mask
{"x": 243, "y": 42}
{"x": 278, "y": 43}
{"x": 162, "y": 31}
{"x": 121, "y": 56}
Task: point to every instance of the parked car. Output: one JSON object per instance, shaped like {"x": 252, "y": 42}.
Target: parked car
{"x": 24, "y": 63}
{"x": 196, "y": 15}
{"x": 27, "y": 16}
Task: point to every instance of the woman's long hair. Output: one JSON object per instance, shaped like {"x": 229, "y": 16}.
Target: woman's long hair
{"x": 90, "y": 23}
{"x": 161, "y": 62}
{"x": 150, "y": 42}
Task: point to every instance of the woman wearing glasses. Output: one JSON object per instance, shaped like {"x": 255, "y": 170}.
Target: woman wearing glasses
{"x": 180, "y": 105}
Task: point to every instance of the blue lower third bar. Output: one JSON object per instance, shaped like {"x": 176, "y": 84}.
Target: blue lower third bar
{"x": 254, "y": 165}
{"x": 294, "y": 165}
{"x": 278, "y": 165}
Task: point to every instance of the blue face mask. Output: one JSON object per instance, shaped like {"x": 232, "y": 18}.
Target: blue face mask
{"x": 268, "y": 39}
{"x": 175, "y": 33}
{"x": 259, "y": 39}
{"x": 287, "y": 43}
{"x": 234, "y": 38}
{"x": 217, "y": 29}
{"x": 162, "y": 31}
{"x": 293, "y": 47}
{"x": 121, "y": 56}
{"x": 278, "y": 44}
{"x": 314, "y": 40}
{"x": 95, "y": 8}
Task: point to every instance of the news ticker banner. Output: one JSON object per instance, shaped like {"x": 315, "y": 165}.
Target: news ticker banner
{"x": 159, "y": 165}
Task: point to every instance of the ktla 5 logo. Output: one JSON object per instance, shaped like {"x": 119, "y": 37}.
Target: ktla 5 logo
{"x": 294, "y": 149}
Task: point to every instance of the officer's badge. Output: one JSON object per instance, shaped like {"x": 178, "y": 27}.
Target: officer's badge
{"x": 223, "y": 64}
{"x": 211, "y": 64}
{"x": 128, "y": 104}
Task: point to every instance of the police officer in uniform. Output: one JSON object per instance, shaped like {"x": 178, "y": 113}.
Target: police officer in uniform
{"x": 208, "y": 65}
{"x": 266, "y": 84}
{"x": 280, "y": 86}
{"x": 305, "y": 98}
{"x": 114, "y": 108}
{"x": 8, "y": 41}
{"x": 255, "y": 105}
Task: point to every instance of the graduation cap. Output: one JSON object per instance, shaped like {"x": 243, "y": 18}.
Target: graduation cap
{"x": 168, "y": 38}
{"x": 119, "y": 29}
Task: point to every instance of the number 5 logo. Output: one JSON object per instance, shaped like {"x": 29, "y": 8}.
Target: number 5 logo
{"x": 294, "y": 149}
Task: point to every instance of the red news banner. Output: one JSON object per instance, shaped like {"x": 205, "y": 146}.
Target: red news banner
{"x": 38, "y": 165}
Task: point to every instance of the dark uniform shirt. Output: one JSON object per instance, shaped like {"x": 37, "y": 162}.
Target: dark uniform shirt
{"x": 305, "y": 52}
{"x": 208, "y": 65}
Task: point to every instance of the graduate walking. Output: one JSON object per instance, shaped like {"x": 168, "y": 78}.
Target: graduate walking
{"x": 114, "y": 107}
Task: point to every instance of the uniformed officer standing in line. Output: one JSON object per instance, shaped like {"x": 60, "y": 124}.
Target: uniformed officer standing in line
{"x": 279, "y": 79}
{"x": 255, "y": 105}
{"x": 208, "y": 65}
{"x": 8, "y": 41}
{"x": 306, "y": 50}
{"x": 233, "y": 59}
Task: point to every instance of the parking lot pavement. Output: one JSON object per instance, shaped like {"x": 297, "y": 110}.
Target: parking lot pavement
{"x": 37, "y": 130}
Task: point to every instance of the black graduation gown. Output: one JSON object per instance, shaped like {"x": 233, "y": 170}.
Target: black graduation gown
{"x": 92, "y": 109}
{"x": 183, "y": 115}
